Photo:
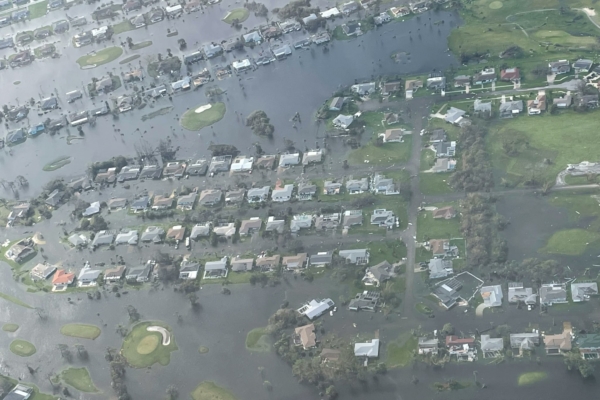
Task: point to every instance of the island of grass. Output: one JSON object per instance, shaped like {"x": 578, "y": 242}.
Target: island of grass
{"x": 10, "y": 327}
{"x": 202, "y": 349}
{"x": 141, "y": 45}
{"x": 22, "y": 348}
{"x": 571, "y": 242}
{"x": 382, "y": 154}
{"x": 79, "y": 378}
{"x": 129, "y": 59}
{"x": 237, "y": 14}
{"x": 143, "y": 348}
{"x": 100, "y": 57}
{"x": 56, "y": 164}
{"x": 257, "y": 340}
{"x": 202, "y": 116}
{"x": 83, "y": 331}
{"x": 13, "y": 299}
{"x": 211, "y": 391}
{"x": 529, "y": 378}
{"x": 400, "y": 352}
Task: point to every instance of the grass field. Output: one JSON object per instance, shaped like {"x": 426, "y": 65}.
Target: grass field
{"x": 38, "y": 9}
{"x": 100, "y": 57}
{"x": 82, "y": 331}
{"x": 123, "y": 26}
{"x": 10, "y": 327}
{"x": 571, "y": 242}
{"x": 434, "y": 184}
{"x": 423, "y": 308}
{"x": 529, "y": 378}
{"x": 14, "y": 300}
{"x": 241, "y": 14}
{"x": 193, "y": 121}
{"x": 257, "y": 340}
{"x": 400, "y": 351}
{"x": 129, "y": 59}
{"x": 583, "y": 208}
{"x": 56, "y": 164}
{"x": 135, "y": 345}
{"x": 79, "y": 378}
{"x": 429, "y": 228}
{"x": 546, "y": 137}
{"x": 22, "y": 348}
{"x": 210, "y": 391}
{"x": 385, "y": 154}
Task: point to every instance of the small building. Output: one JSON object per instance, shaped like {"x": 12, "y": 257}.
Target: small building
{"x": 441, "y": 248}
{"x": 114, "y": 274}
{"x": 447, "y": 292}
{"x": 517, "y": 293}
{"x": 315, "y": 308}
{"x": 510, "y": 109}
{"x": 103, "y": 238}
{"x": 444, "y": 149}
{"x": 352, "y": 28}
{"x": 266, "y": 161}
{"x": 93, "y": 209}
{"x": 187, "y": 202}
{"x": 537, "y": 105}
{"x": 242, "y": 164}
{"x": 561, "y": 343}
{"x": 329, "y": 221}
{"x": 487, "y": 75}
{"x": 436, "y": 83}
{"x": 389, "y": 88}
{"x": 357, "y": 186}
{"x": 287, "y": 160}
{"x": 510, "y": 75}
{"x": 383, "y": 218}
{"x": 200, "y": 230}
{"x": 492, "y": 295}
{"x": 268, "y": 263}
{"x": 129, "y": 237}
{"x": 253, "y": 37}
{"x": 564, "y": 101}
{"x": 226, "y": 230}
{"x": 368, "y": 349}
{"x": 282, "y": 194}
{"x": 439, "y": 268}
{"x": 301, "y": 221}
{"x": 151, "y": 172}
{"x": 553, "y": 293}
{"x": 140, "y": 274}
{"x": 559, "y": 67}
{"x": 250, "y": 226}
{"x": 491, "y": 347}
{"x": 189, "y": 270}
{"x": 454, "y": 116}
{"x": 128, "y": 172}
{"x": 331, "y": 188}
{"x": 235, "y": 196}
{"x": 321, "y": 259}
{"x": 197, "y": 168}
{"x": 210, "y": 197}
{"x": 352, "y": 218}
{"x": 241, "y": 65}
{"x": 589, "y": 346}
{"x": 367, "y": 301}
{"x": 54, "y": 198}
{"x": 582, "y": 65}
{"x": 78, "y": 240}
{"x": 312, "y": 157}
{"x": 330, "y": 356}
{"x": 343, "y": 121}
{"x": 19, "y": 392}
{"x": 524, "y": 341}
{"x": 437, "y": 135}
{"x": 462, "y": 81}
{"x": 382, "y": 185}
{"x": 242, "y": 264}
{"x": 480, "y": 107}
{"x": 153, "y": 234}
{"x": 305, "y": 336}
{"x": 87, "y": 276}
{"x": 355, "y": 256}
{"x": 377, "y": 274}
{"x": 41, "y": 272}
{"x": 296, "y": 262}
{"x": 162, "y": 202}
{"x": 364, "y": 89}
{"x": 426, "y": 346}
{"x": 281, "y": 52}
{"x": 258, "y": 195}
{"x": 175, "y": 169}
{"x": 176, "y": 233}
{"x": 582, "y": 291}
{"x": 306, "y": 191}
{"x": 394, "y": 135}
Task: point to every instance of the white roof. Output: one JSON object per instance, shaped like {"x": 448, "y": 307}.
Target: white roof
{"x": 242, "y": 163}
{"x": 241, "y": 64}
{"x": 314, "y": 308}
{"x": 367, "y": 349}
{"x": 170, "y": 9}
{"x": 332, "y": 12}
{"x": 492, "y": 295}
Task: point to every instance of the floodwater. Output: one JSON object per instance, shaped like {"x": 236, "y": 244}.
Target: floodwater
{"x": 298, "y": 84}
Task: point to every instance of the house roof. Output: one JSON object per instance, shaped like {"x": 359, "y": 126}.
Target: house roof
{"x": 103, "y": 238}
{"x": 307, "y": 188}
{"x": 492, "y": 295}
{"x": 454, "y": 115}
{"x": 242, "y": 264}
{"x": 343, "y": 121}
{"x": 200, "y": 230}
{"x": 115, "y": 272}
{"x": 353, "y": 254}
{"x": 235, "y": 196}
{"x": 177, "y": 232}
{"x": 94, "y": 208}
{"x": 295, "y": 261}
{"x": 481, "y": 106}
{"x": 225, "y": 230}
{"x": 510, "y": 106}
{"x": 369, "y": 349}
{"x": 312, "y": 156}
{"x": 562, "y": 341}
{"x": 42, "y": 270}
{"x": 189, "y": 266}
{"x": 307, "y": 335}
{"x": 248, "y": 224}
{"x": 127, "y": 237}
{"x": 330, "y": 354}
{"x": 289, "y": 159}
{"x": 438, "y": 266}
{"x": 88, "y": 274}
{"x": 552, "y": 293}
{"x": 153, "y": 233}
{"x": 210, "y": 196}
{"x": 321, "y": 258}
{"x": 216, "y": 265}
{"x": 275, "y": 224}
{"x": 524, "y": 341}
{"x": 117, "y": 203}
{"x": 285, "y": 191}
{"x": 314, "y": 308}
{"x": 77, "y": 240}
{"x": 265, "y": 161}
{"x": 187, "y": 200}
{"x": 491, "y": 344}
{"x": 162, "y": 201}
{"x": 357, "y": 184}
{"x": 510, "y": 74}
{"x": 272, "y": 260}
{"x": 443, "y": 212}
{"x": 382, "y": 271}
{"x": 582, "y": 290}
{"x": 62, "y": 277}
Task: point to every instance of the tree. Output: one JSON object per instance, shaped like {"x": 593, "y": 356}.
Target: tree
{"x": 193, "y": 298}
{"x": 448, "y": 329}
{"x": 586, "y": 368}
{"x": 331, "y": 392}
{"x": 82, "y": 353}
{"x": 65, "y": 352}
{"x": 172, "y": 392}
{"x": 260, "y": 124}
{"x": 134, "y": 315}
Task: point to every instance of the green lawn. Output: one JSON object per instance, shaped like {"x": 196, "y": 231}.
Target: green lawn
{"x": 22, "y": 348}
{"x": 79, "y": 378}
{"x": 429, "y": 228}
{"x": 56, "y": 164}
{"x": 241, "y": 14}
{"x": 547, "y": 136}
{"x": 434, "y": 184}
{"x": 14, "y": 300}
{"x": 571, "y": 242}
{"x": 372, "y": 120}
{"x": 257, "y": 340}
{"x": 423, "y": 308}
{"x": 193, "y": 121}
{"x": 400, "y": 352}
{"x": 138, "y": 335}
{"x": 232, "y": 278}
{"x": 385, "y": 154}
{"x": 210, "y": 391}
{"x": 581, "y": 206}
{"x": 10, "y": 327}
{"x": 581, "y": 180}
{"x": 83, "y": 331}
{"x": 129, "y": 59}
{"x": 100, "y": 57}
{"x": 529, "y": 378}
{"x": 123, "y": 26}
{"x": 38, "y": 9}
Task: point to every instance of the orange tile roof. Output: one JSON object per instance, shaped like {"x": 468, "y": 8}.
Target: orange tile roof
{"x": 61, "y": 277}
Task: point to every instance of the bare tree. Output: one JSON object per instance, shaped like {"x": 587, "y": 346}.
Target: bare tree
{"x": 134, "y": 315}
{"x": 65, "y": 352}
{"x": 82, "y": 353}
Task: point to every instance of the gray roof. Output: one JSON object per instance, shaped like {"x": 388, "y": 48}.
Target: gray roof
{"x": 382, "y": 271}
{"x": 153, "y": 234}
{"x": 103, "y": 238}
{"x": 54, "y": 198}
{"x": 216, "y": 265}
{"x": 491, "y": 344}
{"x": 187, "y": 200}
{"x": 235, "y": 196}
{"x": 446, "y": 293}
{"x": 189, "y": 266}
{"x": 367, "y": 349}
{"x": 151, "y": 172}
{"x": 199, "y": 167}
{"x": 289, "y": 159}
{"x": 307, "y": 189}
{"x": 524, "y": 341}
{"x": 553, "y": 293}
{"x": 212, "y": 50}
{"x": 200, "y": 230}
{"x": 283, "y": 192}
{"x": 354, "y": 254}
{"x": 510, "y": 106}
{"x": 357, "y": 184}
{"x": 581, "y": 291}
{"x": 140, "y": 203}
{"x": 88, "y": 274}
{"x": 210, "y": 196}
{"x": 480, "y": 106}
{"x": 257, "y": 194}
{"x": 453, "y": 115}
{"x": 139, "y": 273}
{"x": 245, "y": 264}
{"x": 439, "y": 268}
{"x": 321, "y": 258}
{"x": 252, "y": 37}
{"x": 275, "y": 225}
{"x": 77, "y": 240}
{"x": 127, "y": 237}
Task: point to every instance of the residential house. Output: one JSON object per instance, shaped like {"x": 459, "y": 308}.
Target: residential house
{"x": 447, "y": 292}
{"x": 87, "y": 276}
{"x": 275, "y": 225}
{"x": 103, "y": 238}
{"x": 439, "y": 268}
{"x": 563, "y": 102}
{"x": 349, "y": 7}
{"x": 582, "y": 291}
{"x": 447, "y": 212}
{"x": 444, "y": 149}
{"x": 454, "y": 116}
{"x": 212, "y": 50}
{"x": 510, "y": 75}
{"x": 242, "y": 264}
{"x": 151, "y": 172}
{"x": 258, "y": 195}
{"x": 312, "y": 157}
{"x": 510, "y": 109}
{"x": 357, "y": 186}
{"x": 187, "y": 202}
{"x": 330, "y": 356}
{"x": 352, "y": 217}
{"x": 315, "y": 308}
{"x": 441, "y": 248}
{"x": 78, "y": 184}
{"x": 394, "y": 135}
{"x": 296, "y": 262}
{"x": 306, "y": 191}
{"x": 61, "y": 280}
{"x": 364, "y": 89}
{"x": 553, "y": 293}
{"x": 282, "y": 193}
{"x": 54, "y": 198}
{"x": 383, "y": 218}
{"x": 140, "y": 204}
{"x": 19, "y": 211}
{"x": 524, "y": 341}
{"x": 589, "y": 346}
{"x": 330, "y": 187}
{"x": 20, "y": 250}
{"x": 419, "y": 6}
{"x": 328, "y": 221}
{"x": 156, "y": 15}
{"x": 382, "y": 185}
{"x": 426, "y": 346}
{"x": 289, "y": 25}
{"x": 389, "y": 88}
{"x": 305, "y": 336}
{"x": 321, "y": 259}
{"x": 241, "y": 65}
{"x": 216, "y": 269}
{"x": 177, "y": 232}
{"x": 242, "y": 164}
{"x": 342, "y": 121}
{"x": 189, "y": 270}
{"x": 391, "y": 118}
{"x": 41, "y": 272}
{"x": 108, "y": 175}
{"x": 235, "y": 196}
{"x": 587, "y": 101}
{"x": 226, "y": 230}
{"x": 129, "y": 237}
{"x": 307, "y": 19}
{"x": 517, "y": 293}
{"x": 411, "y": 86}
{"x": 250, "y": 226}
{"x": 78, "y": 240}
{"x": 355, "y": 256}
{"x": 436, "y": 83}
{"x": 210, "y": 197}
{"x": 94, "y": 208}
{"x": 219, "y": 164}
{"x": 140, "y": 273}
{"x": 582, "y": 65}
{"x": 49, "y": 103}
{"x": 198, "y": 167}
{"x": 281, "y": 51}
{"x": 462, "y": 81}
{"x": 162, "y": 202}
{"x": 200, "y": 230}
{"x": 559, "y": 67}
{"x": 175, "y": 169}
{"x": 253, "y": 37}
{"x": 266, "y": 161}
{"x": 437, "y": 135}
{"x": 128, "y": 172}
{"x": 481, "y": 107}
{"x": 491, "y": 347}
{"x": 537, "y": 105}
{"x": 399, "y": 12}
{"x": 19, "y": 392}
{"x": 367, "y": 350}
{"x": 367, "y": 300}
{"x": 487, "y": 75}
{"x": 463, "y": 348}
{"x": 114, "y": 274}
{"x": 492, "y": 295}
{"x": 561, "y": 343}
{"x": 153, "y": 234}
{"x": 352, "y": 28}
{"x": 287, "y": 160}
{"x": 377, "y": 274}
{"x": 268, "y": 263}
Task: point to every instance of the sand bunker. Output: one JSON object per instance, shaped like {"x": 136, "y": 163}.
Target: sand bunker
{"x": 166, "y": 337}
{"x": 203, "y": 108}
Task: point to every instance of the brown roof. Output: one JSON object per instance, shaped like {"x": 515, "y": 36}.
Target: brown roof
{"x": 539, "y": 102}
{"x": 444, "y": 212}
{"x": 455, "y": 340}
{"x": 273, "y": 260}
{"x": 266, "y": 162}
{"x": 307, "y": 335}
{"x": 62, "y": 277}
{"x": 248, "y": 224}
{"x": 437, "y": 245}
{"x": 561, "y": 341}
{"x": 510, "y": 74}
{"x": 176, "y": 232}
{"x": 116, "y": 272}
{"x": 330, "y": 355}
{"x": 300, "y": 257}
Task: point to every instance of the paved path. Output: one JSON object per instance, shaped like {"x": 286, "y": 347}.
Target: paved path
{"x": 479, "y": 310}
{"x": 166, "y": 336}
